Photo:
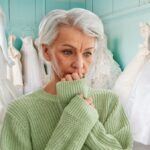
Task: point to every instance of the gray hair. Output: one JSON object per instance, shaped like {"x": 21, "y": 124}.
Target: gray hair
{"x": 83, "y": 19}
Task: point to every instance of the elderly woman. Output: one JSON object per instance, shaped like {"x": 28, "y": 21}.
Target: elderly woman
{"x": 66, "y": 114}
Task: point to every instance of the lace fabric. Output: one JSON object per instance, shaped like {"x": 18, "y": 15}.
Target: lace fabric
{"x": 104, "y": 71}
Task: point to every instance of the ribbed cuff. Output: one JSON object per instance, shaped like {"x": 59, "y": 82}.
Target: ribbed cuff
{"x": 66, "y": 90}
{"x": 81, "y": 111}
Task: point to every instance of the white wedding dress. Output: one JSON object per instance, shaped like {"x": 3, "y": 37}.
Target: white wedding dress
{"x": 104, "y": 70}
{"x": 3, "y": 41}
{"x": 32, "y": 76}
{"x": 140, "y": 112}
{"x": 7, "y": 91}
{"x": 14, "y": 73}
{"x": 125, "y": 81}
{"x": 132, "y": 87}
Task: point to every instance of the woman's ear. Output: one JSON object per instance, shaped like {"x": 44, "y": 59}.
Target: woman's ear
{"x": 46, "y": 53}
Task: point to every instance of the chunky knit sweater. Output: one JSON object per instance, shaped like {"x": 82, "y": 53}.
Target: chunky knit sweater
{"x": 42, "y": 121}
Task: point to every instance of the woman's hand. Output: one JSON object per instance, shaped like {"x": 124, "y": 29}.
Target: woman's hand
{"x": 88, "y": 100}
{"x": 73, "y": 76}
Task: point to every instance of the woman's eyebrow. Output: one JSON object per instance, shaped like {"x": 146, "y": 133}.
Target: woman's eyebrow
{"x": 75, "y": 47}
{"x": 89, "y": 48}
{"x": 69, "y": 46}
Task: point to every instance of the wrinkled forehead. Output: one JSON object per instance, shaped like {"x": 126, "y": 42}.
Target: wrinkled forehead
{"x": 71, "y": 34}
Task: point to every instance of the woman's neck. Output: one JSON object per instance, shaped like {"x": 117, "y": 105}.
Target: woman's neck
{"x": 51, "y": 86}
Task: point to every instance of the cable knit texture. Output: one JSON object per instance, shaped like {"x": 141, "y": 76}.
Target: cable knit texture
{"x": 42, "y": 121}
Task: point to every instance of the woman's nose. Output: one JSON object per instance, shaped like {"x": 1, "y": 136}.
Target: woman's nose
{"x": 78, "y": 63}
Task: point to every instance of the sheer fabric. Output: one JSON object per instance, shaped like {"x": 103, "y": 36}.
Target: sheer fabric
{"x": 104, "y": 71}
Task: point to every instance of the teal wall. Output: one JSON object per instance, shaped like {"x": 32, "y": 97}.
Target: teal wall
{"x": 121, "y": 20}
{"x": 23, "y": 16}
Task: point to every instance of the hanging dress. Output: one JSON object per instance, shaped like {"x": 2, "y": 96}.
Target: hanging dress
{"x": 125, "y": 81}
{"x": 14, "y": 73}
{"x": 3, "y": 41}
{"x": 132, "y": 86}
{"x": 32, "y": 78}
{"x": 7, "y": 91}
{"x": 104, "y": 71}
{"x": 140, "y": 112}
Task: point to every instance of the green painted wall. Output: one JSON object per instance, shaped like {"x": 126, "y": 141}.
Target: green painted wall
{"x": 23, "y": 16}
{"x": 121, "y": 20}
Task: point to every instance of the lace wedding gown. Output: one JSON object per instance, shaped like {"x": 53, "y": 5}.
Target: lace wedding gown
{"x": 104, "y": 71}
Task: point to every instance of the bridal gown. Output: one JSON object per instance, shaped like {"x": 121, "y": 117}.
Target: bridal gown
{"x": 32, "y": 76}
{"x": 104, "y": 71}
{"x": 14, "y": 72}
{"x": 140, "y": 112}
{"x": 7, "y": 91}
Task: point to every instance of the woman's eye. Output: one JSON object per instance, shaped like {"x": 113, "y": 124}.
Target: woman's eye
{"x": 67, "y": 52}
{"x": 87, "y": 54}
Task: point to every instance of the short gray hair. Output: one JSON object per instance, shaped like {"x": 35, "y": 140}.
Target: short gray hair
{"x": 83, "y": 19}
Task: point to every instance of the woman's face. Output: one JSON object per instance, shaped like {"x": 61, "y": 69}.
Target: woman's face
{"x": 72, "y": 51}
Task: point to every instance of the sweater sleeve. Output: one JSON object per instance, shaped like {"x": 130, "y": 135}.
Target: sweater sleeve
{"x": 14, "y": 135}
{"x": 113, "y": 134}
{"x": 76, "y": 122}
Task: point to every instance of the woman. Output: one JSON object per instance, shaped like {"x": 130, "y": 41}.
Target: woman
{"x": 66, "y": 114}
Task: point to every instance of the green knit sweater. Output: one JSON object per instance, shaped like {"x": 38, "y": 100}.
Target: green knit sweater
{"x": 41, "y": 121}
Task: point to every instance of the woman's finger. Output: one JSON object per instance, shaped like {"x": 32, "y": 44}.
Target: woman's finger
{"x": 81, "y": 75}
{"x": 89, "y": 101}
{"x": 75, "y": 76}
{"x": 68, "y": 77}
